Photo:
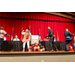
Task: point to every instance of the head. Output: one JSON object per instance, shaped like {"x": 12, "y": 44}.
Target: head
{"x": 16, "y": 36}
{"x": 54, "y": 37}
{"x": 46, "y": 37}
{"x": 49, "y": 28}
{"x": 27, "y": 33}
{"x": 1, "y": 28}
{"x": 66, "y": 29}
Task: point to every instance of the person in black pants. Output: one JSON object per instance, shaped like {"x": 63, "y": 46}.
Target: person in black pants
{"x": 51, "y": 39}
{"x": 2, "y": 34}
{"x": 1, "y": 41}
{"x": 68, "y": 39}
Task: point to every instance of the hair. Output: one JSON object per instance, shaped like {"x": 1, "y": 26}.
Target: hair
{"x": 27, "y": 33}
{"x": 46, "y": 37}
{"x": 27, "y": 30}
{"x": 1, "y": 28}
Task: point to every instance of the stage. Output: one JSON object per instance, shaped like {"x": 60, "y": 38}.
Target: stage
{"x": 37, "y": 23}
{"x": 27, "y": 53}
{"x": 46, "y": 56}
{"x": 13, "y": 52}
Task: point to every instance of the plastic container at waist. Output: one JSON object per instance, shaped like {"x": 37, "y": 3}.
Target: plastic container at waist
{"x": 67, "y": 37}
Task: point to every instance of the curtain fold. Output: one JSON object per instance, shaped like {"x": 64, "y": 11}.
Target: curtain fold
{"x": 19, "y": 20}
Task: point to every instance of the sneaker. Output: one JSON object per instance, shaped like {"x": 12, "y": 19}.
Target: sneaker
{"x": 56, "y": 49}
{"x": 67, "y": 50}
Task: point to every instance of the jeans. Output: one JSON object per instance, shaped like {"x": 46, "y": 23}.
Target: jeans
{"x": 67, "y": 44}
{"x": 51, "y": 41}
{"x": 28, "y": 43}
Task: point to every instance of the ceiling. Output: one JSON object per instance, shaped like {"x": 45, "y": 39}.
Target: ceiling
{"x": 70, "y": 15}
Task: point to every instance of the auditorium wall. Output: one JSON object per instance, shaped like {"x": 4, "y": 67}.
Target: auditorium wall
{"x": 36, "y": 21}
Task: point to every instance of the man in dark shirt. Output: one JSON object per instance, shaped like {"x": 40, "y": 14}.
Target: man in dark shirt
{"x": 51, "y": 39}
{"x": 68, "y": 39}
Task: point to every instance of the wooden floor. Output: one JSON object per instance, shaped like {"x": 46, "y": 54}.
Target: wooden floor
{"x": 31, "y": 52}
{"x": 34, "y": 52}
{"x": 45, "y": 56}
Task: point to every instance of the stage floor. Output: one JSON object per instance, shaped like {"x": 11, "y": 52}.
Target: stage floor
{"x": 35, "y": 53}
{"x": 45, "y": 56}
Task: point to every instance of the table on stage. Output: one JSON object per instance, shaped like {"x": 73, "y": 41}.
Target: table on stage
{"x": 12, "y": 46}
{"x": 60, "y": 45}
{"x": 18, "y": 45}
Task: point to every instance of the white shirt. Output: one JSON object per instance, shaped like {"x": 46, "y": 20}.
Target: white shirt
{"x": 16, "y": 39}
{"x": 2, "y": 33}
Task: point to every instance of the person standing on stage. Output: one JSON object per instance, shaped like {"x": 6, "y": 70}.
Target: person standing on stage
{"x": 51, "y": 39}
{"x": 2, "y": 34}
{"x": 68, "y": 39}
{"x": 26, "y": 39}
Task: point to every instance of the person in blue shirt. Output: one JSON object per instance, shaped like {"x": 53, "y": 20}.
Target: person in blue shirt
{"x": 68, "y": 39}
{"x": 55, "y": 40}
{"x": 16, "y": 38}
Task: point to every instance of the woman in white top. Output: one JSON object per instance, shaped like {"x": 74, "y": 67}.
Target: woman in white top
{"x": 2, "y": 34}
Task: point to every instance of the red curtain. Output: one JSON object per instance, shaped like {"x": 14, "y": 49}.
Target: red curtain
{"x": 36, "y": 21}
